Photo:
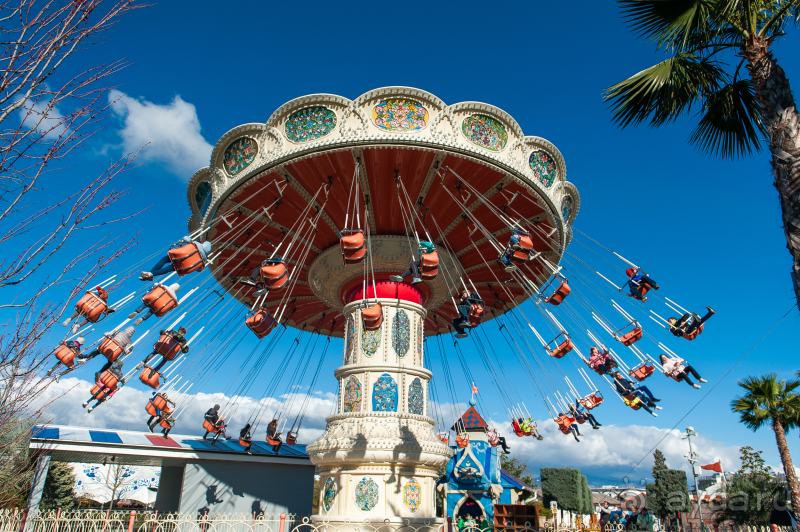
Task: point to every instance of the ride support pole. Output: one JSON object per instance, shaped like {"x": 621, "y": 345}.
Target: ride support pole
{"x": 283, "y": 522}
{"x": 131, "y": 520}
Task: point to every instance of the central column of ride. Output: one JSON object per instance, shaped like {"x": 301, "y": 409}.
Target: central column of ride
{"x": 379, "y": 455}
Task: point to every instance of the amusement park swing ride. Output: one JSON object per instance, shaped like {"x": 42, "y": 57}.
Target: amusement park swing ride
{"x": 398, "y": 223}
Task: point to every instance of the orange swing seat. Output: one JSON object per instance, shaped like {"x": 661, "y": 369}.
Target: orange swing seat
{"x": 160, "y": 301}
{"x": 558, "y": 296}
{"x": 429, "y": 263}
{"x": 272, "y": 441}
{"x": 154, "y": 382}
{"x": 443, "y": 438}
{"x": 462, "y": 441}
{"x": 261, "y": 323}
{"x": 642, "y": 371}
{"x": 66, "y": 355}
{"x": 274, "y": 274}
{"x": 157, "y": 403}
{"x": 592, "y": 400}
{"x": 165, "y": 424}
{"x": 352, "y": 244}
{"x": 107, "y": 383}
{"x": 110, "y": 349}
{"x": 691, "y": 336}
{"x": 186, "y": 259}
{"x": 92, "y": 307}
{"x": 476, "y": 314}
{"x": 291, "y": 439}
{"x": 526, "y": 244}
{"x": 563, "y": 348}
{"x": 630, "y": 337}
{"x": 564, "y": 423}
{"x": 372, "y": 316}
{"x": 167, "y": 347}
{"x": 208, "y": 426}
{"x": 632, "y": 401}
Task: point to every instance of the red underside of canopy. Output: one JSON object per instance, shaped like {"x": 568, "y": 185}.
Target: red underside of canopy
{"x": 380, "y": 165}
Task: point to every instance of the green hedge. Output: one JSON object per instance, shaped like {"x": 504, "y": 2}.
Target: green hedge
{"x": 669, "y": 494}
{"x": 586, "y": 499}
{"x": 565, "y": 486}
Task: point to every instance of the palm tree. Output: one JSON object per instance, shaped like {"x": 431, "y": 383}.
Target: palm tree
{"x": 774, "y": 402}
{"x": 707, "y": 43}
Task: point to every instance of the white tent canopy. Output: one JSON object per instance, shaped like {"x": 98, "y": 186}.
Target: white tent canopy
{"x": 97, "y": 482}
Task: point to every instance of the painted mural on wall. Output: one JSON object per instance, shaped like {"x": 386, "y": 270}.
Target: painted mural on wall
{"x": 95, "y": 482}
{"x": 352, "y": 394}
{"x": 566, "y": 207}
{"x": 328, "y": 494}
{"x": 384, "y": 394}
{"x": 370, "y": 340}
{"x": 485, "y": 131}
{"x": 400, "y": 115}
{"x": 366, "y": 494}
{"x": 310, "y": 123}
{"x": 543, "y": 166}
{"x": 401, "y": 333}
{"x": 350, "y": 338}
{"x": 412, "y": 495}
{"x": 239, "y": 155}
{"x": 415, "y": 397}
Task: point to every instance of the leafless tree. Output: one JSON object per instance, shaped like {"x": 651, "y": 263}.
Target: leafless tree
{"x": 48, "y": 111}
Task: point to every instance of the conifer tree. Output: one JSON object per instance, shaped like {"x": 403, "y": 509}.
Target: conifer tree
{"x": 659, "y": 463}
{"x": 58, "y": 488}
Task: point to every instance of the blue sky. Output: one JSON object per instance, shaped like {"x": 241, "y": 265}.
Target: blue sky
{"x": 708, "y": 230}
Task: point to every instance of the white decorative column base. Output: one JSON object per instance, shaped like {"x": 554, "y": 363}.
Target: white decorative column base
{"x": 379, "y": 457}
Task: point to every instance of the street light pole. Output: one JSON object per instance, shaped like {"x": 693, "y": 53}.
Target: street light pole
{"x": 692, "y": 456}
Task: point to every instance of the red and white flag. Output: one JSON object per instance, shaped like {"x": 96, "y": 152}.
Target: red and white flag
{"x": 474, "y": 389}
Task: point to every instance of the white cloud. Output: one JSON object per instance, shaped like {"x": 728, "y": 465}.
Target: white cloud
{"x": 172, "y": 131}
{"x": 604, "y": 455}
{"x": 609, "y": 453}
{"x": 126, "y": 410}
{"x": 43, "y": 118}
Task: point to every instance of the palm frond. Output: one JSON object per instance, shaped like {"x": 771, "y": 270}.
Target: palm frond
{"x": 731, "y": 123}
{"x": 667, "y": 22}
{"x": 664, "y": 91}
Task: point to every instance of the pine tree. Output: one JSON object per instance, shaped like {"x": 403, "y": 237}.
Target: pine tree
{"x": 659, "y": 463}
{"x": 58, "y": 487}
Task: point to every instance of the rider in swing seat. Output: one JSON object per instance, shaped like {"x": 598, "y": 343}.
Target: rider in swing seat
{"x": 513, "y": 245}
{"x": 580, "y": 415}
{"x": 273, "y": 434}
{"x": 415, "y": 266}
{"x": 171, "y": 289}
{"x": 677, "y": 368}
{"x": 165, "y": 265}
{"x": 626, "y": 387}
{"x": 528, "y": 426}
{"x": 99, "y": 292}
{"x": 573, "y": 428}
{"x": 75, "y": 346}
{"x": 467, "y": 300}
{"x": 160, "y": 414}
{"x": 601, "y": 362}
{"x": 636, "y": 280}
{"x": 123, "y": 337}
{"x": 493, "y": 438}
{"x": 179, "y": 336}
{"x": 103, "y": 393}
{"x": 213, "y": 417}
{"x": 688, "y": 323}
{"x": 246, "y": 438}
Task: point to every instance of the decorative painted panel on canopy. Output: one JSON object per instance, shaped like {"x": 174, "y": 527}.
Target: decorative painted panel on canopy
{"x": 401, "y": 333}
{"x": 566, "y": 207}
{"x": 309, "y": 123}
{"x": 384, "y": 394}
{"x": 202, "y": 196}
{"x": 400, "y": 115}
{"x": 352, "y": 394}
{"x": 412, "y": 495}
{"x": 240, "y": 154}
{"x": 366, "y": 494}
{"x": 485, "y": 131}
{"x": 543, "y": 166}
{"x": 370, "y": 340}
{"x": 420, "y": 341}
{"x": 415, "y": 397}
{"x": 329, "y": 494}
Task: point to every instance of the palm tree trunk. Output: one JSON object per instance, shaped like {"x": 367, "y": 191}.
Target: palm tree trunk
{"x": 783, "y": 127}
{"x": 786, "y": 458}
